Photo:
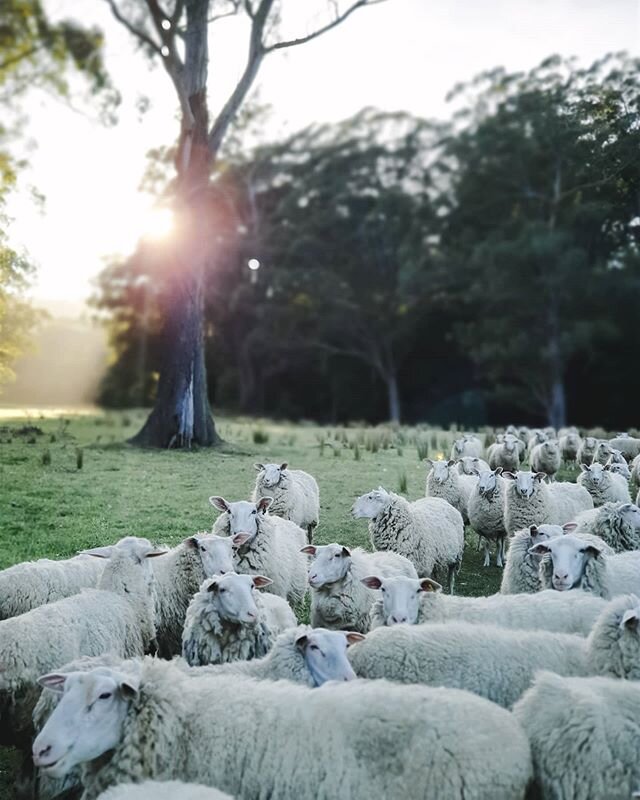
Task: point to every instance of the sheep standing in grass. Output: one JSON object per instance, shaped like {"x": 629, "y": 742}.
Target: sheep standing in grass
{"x": 619, "y": 468}
{"x": 587, "y": 450}
{"x": 529, "y": 501}
{"x": 628, "y": 445}
{"x": 34, "y": 583}
{"x": 536, "y": 437}
{"x": 486, "y": 512}
{"x": 378, "y": 739}
{"x": 468, "y": 445}
{"x": 429, "y": 532}
{"x": 178, "y": 577}
{"x": 265, "y": 545}
{"x": 570, "y": 562}
{"x": 585, "y": 736}
{"x": 545, "y": 458}
{"x": 118, "y": 616}
{"x": 618, "y": 524}
{"x": 294, "y": 493}
{"x": 500, "y": 664}
{"x": 338, "y": 597}
{"x": 569, "y": 445}
{"x": 446, "y": 482}
{"x": 603, "y": 485}
{"x": 505, "y": 454}
{"x": 411, "y": 601}
{"x": 227, "y": 620}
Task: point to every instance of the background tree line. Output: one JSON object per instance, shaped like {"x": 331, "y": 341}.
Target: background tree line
{"x": 477, "y": 270}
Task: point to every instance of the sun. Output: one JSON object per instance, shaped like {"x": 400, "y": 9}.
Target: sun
{"x": 157, "y": 223}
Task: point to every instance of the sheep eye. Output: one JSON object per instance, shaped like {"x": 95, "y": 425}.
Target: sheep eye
{"x": 222, "y": 590}
{"x": 382, "y": 589}
{"x": 255, "y": 511}
{"x": 104, "y": 696}
{"x": 314, "y": 647}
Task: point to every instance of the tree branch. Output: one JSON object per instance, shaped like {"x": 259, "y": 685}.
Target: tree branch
{"x": 139, "y": 34}
{"x": 333, "y": 24}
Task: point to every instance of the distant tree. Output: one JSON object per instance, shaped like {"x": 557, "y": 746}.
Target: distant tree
{"x": 177, "y": 34}
{"x": 34, "y": 54}
{"x": 542, "y": 185}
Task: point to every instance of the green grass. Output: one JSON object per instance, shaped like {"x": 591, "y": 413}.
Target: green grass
{"x": 49, "y": 507}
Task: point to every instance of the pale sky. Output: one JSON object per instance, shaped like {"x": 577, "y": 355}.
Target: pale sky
{"x": 400, "y": 55}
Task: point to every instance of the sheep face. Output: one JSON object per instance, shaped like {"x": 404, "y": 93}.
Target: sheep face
{"x": 569, "y": 556}
{"x": 458, "y": 447}
{"x": 525, "y": 482}
{"x": 630, "y": 513}
{"x": 216, "y": 553}
{"x": 510, "y": 444}
{"x": 87, "y": 721}
{"x": 371, "y": 504}
{"x": 272, "y": 473}
{"x": 330, "y": 564}
{"x": 137, "y": 549}
{"x": 594, "y": 474}
{"x": 325, "y": 654}
{"x": 233, "y": 596}
{"x": 551, "y": 448}
{"x": 243, "y": 517}
{"x": 401, "y": 597}
{"x": 602, "y": 453}
{"x": 488, "y": 482}
{"x": 441, "y": 470}
{"x": 619, "y": 468}
{"x": 468, "y": 465}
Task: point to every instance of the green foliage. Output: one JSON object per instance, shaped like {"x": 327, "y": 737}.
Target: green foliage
{"x": 260, "y": 436}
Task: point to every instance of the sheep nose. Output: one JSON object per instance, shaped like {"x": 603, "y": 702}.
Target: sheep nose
{"x": 398, "y": 619}
{"x": 38, "y": 755}
{"x": 561, "y": 577}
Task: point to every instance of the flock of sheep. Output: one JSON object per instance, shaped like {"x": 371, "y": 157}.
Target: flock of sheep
{"x": 137, "y": 671}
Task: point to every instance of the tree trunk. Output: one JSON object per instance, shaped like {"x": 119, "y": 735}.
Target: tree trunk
{"x": 557, "y": 410}
{"x": 393, "y": 394}
{"x": 181, "y": 415}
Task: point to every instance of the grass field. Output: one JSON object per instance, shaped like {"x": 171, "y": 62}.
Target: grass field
{"x": 69, "y": 482}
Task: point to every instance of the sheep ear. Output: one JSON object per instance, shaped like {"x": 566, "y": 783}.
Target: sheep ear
{"x": 213, "y": 586}
{"x": 129, "y": 685}
{"x": 346, "y": 553}
{"x": 54, "y": 681}
{"x": 539, "y": 476}
{"x": 284, "y": 466}
{"x": 497, "y": 471}
{"x": 430, "y": 460}
{"x": 631, "y": 619}
{"x": 509, "y": 475}
{"x": 607, "y": 466}
{"x": 258, "y": 467}
{"x": 239, "y": 539}
{"x": 263, "y": 504}
{"x": 309, "y": 549}
{"x": 220, "y": 503}
{"x": 372, "y": 582}
{"x": 191, "y": 542}
{"x": 450, "y": 462}
{"x": 533, "y": 530}
{"x": 99, "y": 552}
{"x": 585, "y": 467}
{"x": 261, "y": 580}
{"x": 157, "y": 551}
{"x": 569, "y": 526}
{"x": 592, "y": 550}
{"x": 539, "y": 549}
{"x": 302, "y": 641}
{"x": 428, "y": 585}
{"x": 353, "y": 637}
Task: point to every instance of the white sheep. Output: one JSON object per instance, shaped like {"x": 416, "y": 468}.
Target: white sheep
{"x": 506, "y": 454}
{"x": 587, "y": 450}
{"x": 301, "y": 654}
{"x": 227, "y": 620}
{"x": 411, "y": 601}
{"x": 619, "y": 468}
{"x": 545, "y": 457}
{"x": 521, "y": 571}
{"x": 569, "y": 441}
{"x": 585, "y": 736}
{"x": 265, "y": 545}
{"x": 571, "y": 563}
{"x": 536, "y": 437}
{"x": 446, "y": 482}
{"x": 496, "y": 663}
{"x": 467, "y": 445}
{"x": 468, "y": 465}
{"x": 294, "y": 493}
{"x": 178, "y": 577}
{"x": 628, "y": 445}
{"x": 118, "y": 616}
{"x": 163, "y": 790}
{"x": 617, "y": 524}
{"x": 34, "y": 583}
{"x": 529, "y": 501}
{"x": 338, "y": 597}
{"x": 635, "y": 474}
{"x": 429, "y": 532}
{"x": 486, "y": 512}
{"x": 251, "y": 738}
{"x": 603, "y": 485}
